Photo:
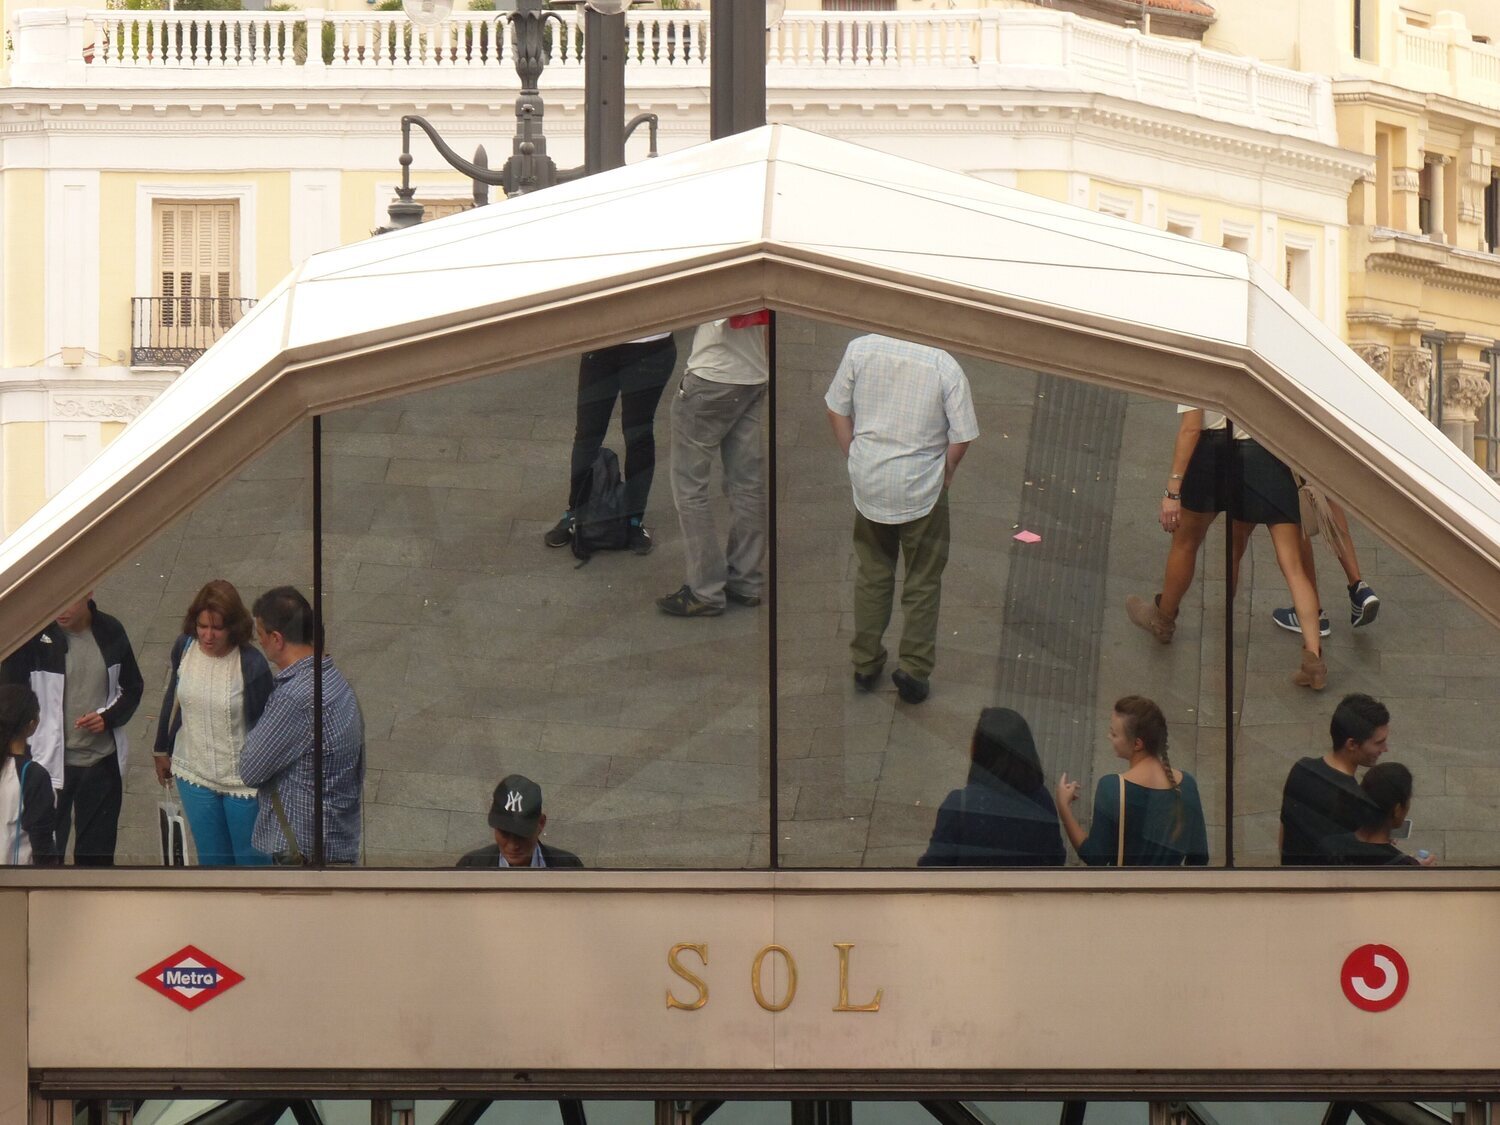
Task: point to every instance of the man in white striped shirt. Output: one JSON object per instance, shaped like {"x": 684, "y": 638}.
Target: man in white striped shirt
{"x": 903, "y": 415}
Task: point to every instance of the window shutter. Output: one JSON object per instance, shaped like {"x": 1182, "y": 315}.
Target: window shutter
{"x": 197, "y": 251}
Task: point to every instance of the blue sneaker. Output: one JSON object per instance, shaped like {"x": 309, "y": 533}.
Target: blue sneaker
{"x": 1363, "y": 604}
{"x": 1287, "y": 619}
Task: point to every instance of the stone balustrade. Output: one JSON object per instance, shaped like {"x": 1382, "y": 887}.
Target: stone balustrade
{"x": 979, "y": 51}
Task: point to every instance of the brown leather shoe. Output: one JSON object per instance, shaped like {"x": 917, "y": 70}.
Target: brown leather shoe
{"x": 1313, "y": 673}
{"x": 1149, "y": 617}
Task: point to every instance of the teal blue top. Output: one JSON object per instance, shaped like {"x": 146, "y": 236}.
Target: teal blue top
{"x": 1155, "y": 834}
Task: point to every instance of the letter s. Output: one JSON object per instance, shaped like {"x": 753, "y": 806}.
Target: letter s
{"x": 701, "y": 949}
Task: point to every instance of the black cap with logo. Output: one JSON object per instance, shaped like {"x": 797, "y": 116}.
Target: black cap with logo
{"x": 517, "y": 806}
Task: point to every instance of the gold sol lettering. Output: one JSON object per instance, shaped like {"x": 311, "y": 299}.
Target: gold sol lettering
{"x": 701, "y": 949}
{"x": 843, "y": 1005}
{"x": 791, "y": 978}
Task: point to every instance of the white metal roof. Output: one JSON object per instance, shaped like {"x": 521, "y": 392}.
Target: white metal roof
{"x": 807, "y": 225}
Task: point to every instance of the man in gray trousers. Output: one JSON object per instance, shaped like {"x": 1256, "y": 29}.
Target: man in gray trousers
{"x": 719, "y": 411}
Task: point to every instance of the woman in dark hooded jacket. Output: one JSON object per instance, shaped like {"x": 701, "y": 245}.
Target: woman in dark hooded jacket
{"x": 1004, "y": 816}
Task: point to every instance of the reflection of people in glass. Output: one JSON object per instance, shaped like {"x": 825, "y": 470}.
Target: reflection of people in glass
{"x": 27, "y": 812}
{"x": 1148, "y": 816}
{"x": 1387, "y": 787}
{"x": 83, "y": 670}
{"x": 1321, "y": 797}
{"x": 215, "y": 694}
{"x": 280, "y": 759}
{"x": 718, "y": 415}
{"x": 636, "y": 373}
{"x": 1003, "y": 816}
{"x": 903, "y": 416}
{"x": 1265, "y": 493}
{"x": 1363, "y": 602}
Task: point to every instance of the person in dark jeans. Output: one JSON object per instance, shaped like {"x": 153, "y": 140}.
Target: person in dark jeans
{"x": 636, "y": 373}
{"x": 84, "y": 674}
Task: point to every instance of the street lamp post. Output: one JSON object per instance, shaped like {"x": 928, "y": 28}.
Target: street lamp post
{"x": 737, "y": 94}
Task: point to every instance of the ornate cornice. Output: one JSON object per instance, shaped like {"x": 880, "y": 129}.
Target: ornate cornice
{"x": 977, "y": 111}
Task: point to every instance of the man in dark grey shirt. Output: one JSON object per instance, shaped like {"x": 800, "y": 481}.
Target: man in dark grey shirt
{"x": 1322, "y": 797}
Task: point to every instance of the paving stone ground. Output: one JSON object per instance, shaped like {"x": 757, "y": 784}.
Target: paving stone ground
{"x": 476, "y": 651}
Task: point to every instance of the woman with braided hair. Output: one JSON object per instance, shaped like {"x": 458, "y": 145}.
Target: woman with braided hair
{"x": 1148, "y": 816}
{"x": 26, "y": 803}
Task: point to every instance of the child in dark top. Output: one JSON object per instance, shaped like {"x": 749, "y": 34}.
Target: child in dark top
{"x": 1387, "y": 789}
{"x": 26, "y": 806}
{"x": 1322, "y": 797}
{"x": 1004, "y": 816}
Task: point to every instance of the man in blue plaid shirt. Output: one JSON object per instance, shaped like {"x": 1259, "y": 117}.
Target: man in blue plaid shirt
{"x": 278, "y": 756}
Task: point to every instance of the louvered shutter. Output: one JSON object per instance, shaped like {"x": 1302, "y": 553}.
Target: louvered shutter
{"x": 197, "y": 246}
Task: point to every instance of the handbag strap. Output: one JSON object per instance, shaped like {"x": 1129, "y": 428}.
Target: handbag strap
{"x": 293, "y": 852}
{"x": 15, "y": 843}
{"x": 1120, "y": 854}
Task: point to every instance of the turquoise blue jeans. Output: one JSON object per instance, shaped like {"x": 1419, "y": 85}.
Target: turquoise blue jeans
{"x": 221, "y": 826}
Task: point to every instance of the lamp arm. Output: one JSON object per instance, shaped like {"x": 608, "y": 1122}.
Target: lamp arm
{"x": 651, "y": 121}
{"x": 458, "y": 163}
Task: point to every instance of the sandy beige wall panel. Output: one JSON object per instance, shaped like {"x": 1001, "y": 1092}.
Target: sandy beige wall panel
{"x": 434, "y": 980}
{"x": 967, "y": 980}
{"x": 13, "y": 1092}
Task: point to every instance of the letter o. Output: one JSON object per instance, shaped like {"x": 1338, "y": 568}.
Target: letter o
{"x": 791, "y": 978}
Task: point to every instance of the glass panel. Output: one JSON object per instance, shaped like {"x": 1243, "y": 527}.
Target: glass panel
{"x": 1427, "y": 659}
{"x": 1054, "y": 520}
{"x": 254, "y": 532}
{"x": 478, "y": 652}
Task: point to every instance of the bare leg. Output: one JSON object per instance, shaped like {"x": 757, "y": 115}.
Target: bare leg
{"x": 1241, "y": 540}
{"x": 1182, "y": 560}
{"x": 1286, "y": 539}
{"x": 1347, "y": 558}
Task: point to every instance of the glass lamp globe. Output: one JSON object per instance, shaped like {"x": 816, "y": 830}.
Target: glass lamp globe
{"x": 775, "y": 9}
{"x": 608, "y": 7}
{"x": 427, "y": 13}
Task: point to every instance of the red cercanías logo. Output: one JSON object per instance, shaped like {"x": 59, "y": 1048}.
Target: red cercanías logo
{"x": 190, "y": 977}
{"x": 1374, "y": 978}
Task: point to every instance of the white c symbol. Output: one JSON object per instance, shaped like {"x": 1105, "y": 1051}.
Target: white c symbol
{"x": 1390, "y": 979}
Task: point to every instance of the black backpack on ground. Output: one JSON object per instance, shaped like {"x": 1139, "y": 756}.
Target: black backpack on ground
{"x": 601, "y": 522}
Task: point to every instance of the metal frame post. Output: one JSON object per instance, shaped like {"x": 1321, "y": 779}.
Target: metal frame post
{"x": 604, "y": 91}
{"x": 737, "y": 75}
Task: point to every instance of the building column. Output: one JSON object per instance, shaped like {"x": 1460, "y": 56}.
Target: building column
{"x": 1411, "y": 374}
{"x": 1466, "y": 386}
{"x": 1438, "y": 164}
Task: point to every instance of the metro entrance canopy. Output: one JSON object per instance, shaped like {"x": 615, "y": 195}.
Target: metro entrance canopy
{"x": 803, "y": 224}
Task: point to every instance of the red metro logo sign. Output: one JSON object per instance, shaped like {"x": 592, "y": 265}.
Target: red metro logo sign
{"x": 190, "y": 977}
{"x": 1374, "y": 978}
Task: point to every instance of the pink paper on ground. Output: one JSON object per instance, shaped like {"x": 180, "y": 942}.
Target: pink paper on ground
{"x": 1027, "y": 537}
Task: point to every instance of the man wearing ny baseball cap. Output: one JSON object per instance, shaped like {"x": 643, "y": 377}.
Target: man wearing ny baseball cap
{"x": 517, "y": 818}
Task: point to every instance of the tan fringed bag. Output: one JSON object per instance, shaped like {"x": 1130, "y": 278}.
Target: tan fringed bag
{"x": 1317, "y": 517}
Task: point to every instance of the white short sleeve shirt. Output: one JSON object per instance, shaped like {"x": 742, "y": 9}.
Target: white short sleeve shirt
{"x": 909, "y": 403}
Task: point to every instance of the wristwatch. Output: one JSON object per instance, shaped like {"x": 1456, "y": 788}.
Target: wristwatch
{"x": 1170, "y": 495}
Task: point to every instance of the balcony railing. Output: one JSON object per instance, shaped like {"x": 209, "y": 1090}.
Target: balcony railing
{"x": 972, "y": 51}
{"x": 175, "y": 331}
{"x": 1446, "y": 59}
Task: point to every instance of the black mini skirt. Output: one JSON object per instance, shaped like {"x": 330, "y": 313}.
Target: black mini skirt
{"x": 1265, "y": 490}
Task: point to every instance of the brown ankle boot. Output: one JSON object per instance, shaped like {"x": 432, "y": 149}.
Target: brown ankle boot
{"x": 1149, "y": 617}
{"x": 1313, "y": 673}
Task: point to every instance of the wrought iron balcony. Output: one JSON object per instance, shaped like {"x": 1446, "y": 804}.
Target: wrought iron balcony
{"x": 175, "y": 331}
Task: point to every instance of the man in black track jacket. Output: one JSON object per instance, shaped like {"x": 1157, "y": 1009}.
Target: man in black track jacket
{"x": 84, "y": 674}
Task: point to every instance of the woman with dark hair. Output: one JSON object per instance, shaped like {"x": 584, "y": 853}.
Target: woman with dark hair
{"x": 26, "y": 801}
{"x": 217, "y": 688}
{"x": 1387, "y": 788}
{"x": 1004, "y": 816}
{"x": 1148, "y": 816}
